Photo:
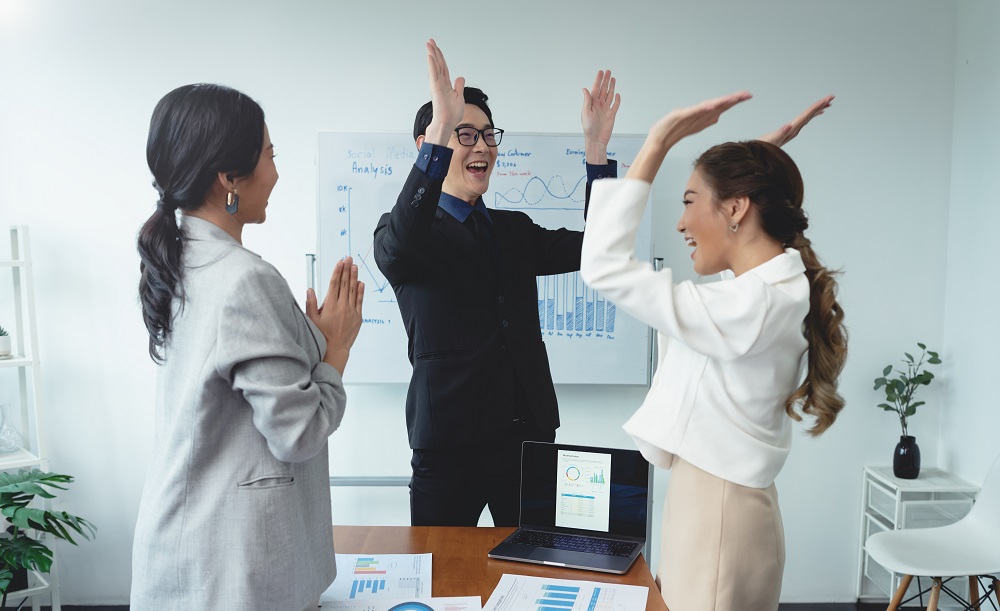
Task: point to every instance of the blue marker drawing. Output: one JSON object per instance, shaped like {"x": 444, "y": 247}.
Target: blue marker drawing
{"x": 535, "y": 191}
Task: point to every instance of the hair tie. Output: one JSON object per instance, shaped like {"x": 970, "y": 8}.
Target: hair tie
{"x": 164, "y": 208}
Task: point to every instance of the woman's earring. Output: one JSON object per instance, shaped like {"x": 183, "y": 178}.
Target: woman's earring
{"x": 734, "y": 227}
{"x": 232, "y": 201}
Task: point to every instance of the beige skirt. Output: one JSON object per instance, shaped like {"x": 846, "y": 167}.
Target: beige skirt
{"x": 722, "y": 544}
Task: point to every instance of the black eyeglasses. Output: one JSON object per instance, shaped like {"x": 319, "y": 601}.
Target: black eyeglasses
{"x": 467, "y": 136}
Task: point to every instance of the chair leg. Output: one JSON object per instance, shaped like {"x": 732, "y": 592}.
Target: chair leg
{"x": 996, "y": 589}
{"x": 935, "y": 593}
{"x": 974, "y": 591}
{"x": 904, "y": 583}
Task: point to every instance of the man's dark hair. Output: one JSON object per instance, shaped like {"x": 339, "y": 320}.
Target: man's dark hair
{"x": 473, "y": 96}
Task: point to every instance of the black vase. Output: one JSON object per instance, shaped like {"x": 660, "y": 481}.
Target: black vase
{"x": 17, "y": 583}
{"x": 906, "y": 459}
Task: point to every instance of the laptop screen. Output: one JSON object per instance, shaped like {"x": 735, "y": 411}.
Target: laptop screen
{"x": 584, "y": 489}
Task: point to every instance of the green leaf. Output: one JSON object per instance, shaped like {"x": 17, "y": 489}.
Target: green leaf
{"x": 32, "y": 482}
{"x": 921, "y": 346}
{"x": 887, "y": 370}
{"x": 909, "y": 357}
{"x": 19, "y": 550}
{"x": 24, "y": 552}
{"x": 51, "y": 522}
{"x": 911, "y": 410}
{"x": 934, "y": 360}
{"x": 917, "y": 404}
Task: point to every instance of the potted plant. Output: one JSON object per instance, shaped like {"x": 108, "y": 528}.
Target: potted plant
{"x": 900, "y": 392}
{"x": 19, "y": 552}
{"x": 4, "y": 342}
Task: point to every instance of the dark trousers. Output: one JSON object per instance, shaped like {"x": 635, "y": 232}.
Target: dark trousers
{"x": 451, "y": 487}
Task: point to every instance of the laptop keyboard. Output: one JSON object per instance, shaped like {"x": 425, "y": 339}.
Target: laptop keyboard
{"x": 574, "y": 543}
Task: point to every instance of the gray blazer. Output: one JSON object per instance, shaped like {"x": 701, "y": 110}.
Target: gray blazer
{"x": 235, "y": 512}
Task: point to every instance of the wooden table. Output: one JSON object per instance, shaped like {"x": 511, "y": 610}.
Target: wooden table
{"x": 461, "y": 564}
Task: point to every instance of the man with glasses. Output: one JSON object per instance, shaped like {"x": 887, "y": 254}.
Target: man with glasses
{"x": 464, "y": 278}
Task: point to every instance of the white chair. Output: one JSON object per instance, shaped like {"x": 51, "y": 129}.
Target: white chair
{"x": 968, "y": 548}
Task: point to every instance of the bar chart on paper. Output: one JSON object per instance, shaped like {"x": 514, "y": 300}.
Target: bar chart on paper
{"x": 524, "y": 593}
{"x": 368, "y": 577}
{"x": 381, "y": 576}
{"x": 588, "y": 340}
{"x": 553, "y": 597}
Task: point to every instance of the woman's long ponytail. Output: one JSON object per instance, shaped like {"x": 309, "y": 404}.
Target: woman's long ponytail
{"x": 768, "y": 176}
{"x": 196, "y": 132}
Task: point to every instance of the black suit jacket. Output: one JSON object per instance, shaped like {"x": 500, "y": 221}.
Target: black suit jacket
{"x": 472, "y": 326}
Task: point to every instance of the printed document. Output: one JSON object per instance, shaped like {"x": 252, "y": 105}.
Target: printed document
{"x": 382, "y": 576}
{"x": 523, "y": 593}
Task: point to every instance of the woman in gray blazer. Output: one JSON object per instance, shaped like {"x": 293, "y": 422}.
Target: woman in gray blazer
{"x": 235, "y": 513}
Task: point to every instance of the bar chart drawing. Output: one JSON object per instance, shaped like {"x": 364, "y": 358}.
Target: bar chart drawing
{"x": 567, "y": 305}
{"x": 587, "y": 340}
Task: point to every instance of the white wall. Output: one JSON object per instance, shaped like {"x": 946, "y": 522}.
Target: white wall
{"x": 78, "y": 81}
{"x": 972, "y": 324}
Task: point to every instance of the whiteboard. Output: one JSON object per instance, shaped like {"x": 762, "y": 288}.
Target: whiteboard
{"x": 544, "y": 175}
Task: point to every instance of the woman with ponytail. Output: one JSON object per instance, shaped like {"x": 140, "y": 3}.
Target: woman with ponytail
{"x": 235, "y": 513}
{"x": 738, "y": 357}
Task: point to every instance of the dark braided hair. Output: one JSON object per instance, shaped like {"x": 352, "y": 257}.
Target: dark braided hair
{"x": 196, "y": 132}
{"x": 770, "y": 179}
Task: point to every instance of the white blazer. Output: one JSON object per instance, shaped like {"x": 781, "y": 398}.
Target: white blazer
{"x": 730, "y": 352}
{"x": 235, "y": 513}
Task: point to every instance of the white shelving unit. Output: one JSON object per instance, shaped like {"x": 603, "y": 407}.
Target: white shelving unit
{"x": 26, "y": 406}
{"x": 935, "y": 498}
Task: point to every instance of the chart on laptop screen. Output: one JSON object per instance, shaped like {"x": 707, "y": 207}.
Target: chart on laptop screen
{"x": 583, "y": 494}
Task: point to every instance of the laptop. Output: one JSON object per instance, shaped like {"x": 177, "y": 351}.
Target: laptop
{"x": 581, "y": 507}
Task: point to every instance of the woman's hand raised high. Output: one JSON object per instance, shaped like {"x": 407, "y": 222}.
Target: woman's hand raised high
{"x": 677, "y": 125}
{"x": 786, "y": 132}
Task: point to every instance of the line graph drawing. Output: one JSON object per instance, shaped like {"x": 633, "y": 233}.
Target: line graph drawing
{"x": 375, "y": 283}
{"x": 536, "y": 191}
